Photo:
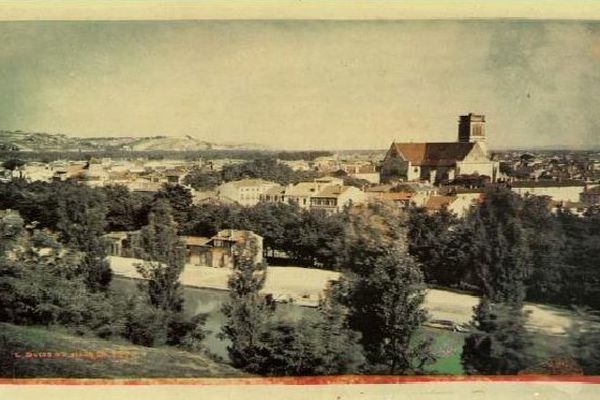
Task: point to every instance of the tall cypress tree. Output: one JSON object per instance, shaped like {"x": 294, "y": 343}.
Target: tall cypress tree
{"x": 247, "y": 311}
{"x": 500, "y": 342}
{"x": 163, "y": 253}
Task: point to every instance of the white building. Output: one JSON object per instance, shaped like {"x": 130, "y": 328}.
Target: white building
{"x": 334, "y": 198}
{"x": 300, "y": 193}
{"x": 246, "y": 192}
{"x": 556, "y": 190}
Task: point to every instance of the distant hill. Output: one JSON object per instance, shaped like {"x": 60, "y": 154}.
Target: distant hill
{"x": 39, "y": 142}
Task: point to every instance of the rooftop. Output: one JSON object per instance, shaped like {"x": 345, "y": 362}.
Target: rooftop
{"x": 433, "y": 154}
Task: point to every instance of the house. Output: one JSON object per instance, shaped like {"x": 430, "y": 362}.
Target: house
{"x": 457, "y": 205}
{"x": 218, "y": 251}
{"x": 439, "y": 161}
{"x": 300, "y": 193}
{"x": 334, "y": 198}
{"x": 367, "y": 172}
{"x": 122, "y": 243}
{"x": 246, "y": 192}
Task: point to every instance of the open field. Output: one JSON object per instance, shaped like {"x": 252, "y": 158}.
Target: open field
{"x": 305, "y": 285}
{"x": 60, "y": 354}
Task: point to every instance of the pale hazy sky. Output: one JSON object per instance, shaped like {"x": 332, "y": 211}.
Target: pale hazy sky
{"x": 302, "y": 84}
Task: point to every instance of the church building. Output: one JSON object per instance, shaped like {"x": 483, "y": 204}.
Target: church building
{"x": 442, "y": 161}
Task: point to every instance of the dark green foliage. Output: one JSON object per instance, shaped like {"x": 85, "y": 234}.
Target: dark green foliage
{"x": 126, "y": 210}
{"x": 202, "y": 179}
{"x": 500, "y": 343}
{"x": 145, "y": 325}
{"x": 580, "y": 279}
{"x": 441, "y": 245}
{"x": 180, "y": 200}
{"x": 547, "y": 245}
{"x": 266, "y": 342}
{"x": 156, "y": 316}
{"x": 321, "y": 344}
{"x": 13, "y": 163}
{"x": 247, "y": 311}
{"x": 208, "y": 219}
{"x": 36, "y": 202}
{"x": 584, "y": 341}
{"x": 164, "y": 256}
{"x": 306, "y": 236}
{"x": 210, "y": 154}
{"x": 384, "y": 290}
{"x": 40, "y": 283}
{"x": 393, "y": 169}
{"x": 501, "y": 260}
{"x": 500, "y": 255}
{"x": 81, "y": 220}
{"x": 267, "y": 169}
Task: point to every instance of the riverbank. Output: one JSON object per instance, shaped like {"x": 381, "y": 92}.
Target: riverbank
{"x": 304, "y": 286}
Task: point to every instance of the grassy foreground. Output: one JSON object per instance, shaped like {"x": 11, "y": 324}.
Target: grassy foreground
{"x": 34, "y": 352}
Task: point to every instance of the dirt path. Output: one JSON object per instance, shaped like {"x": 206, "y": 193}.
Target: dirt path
{"x": 305, "y": 285}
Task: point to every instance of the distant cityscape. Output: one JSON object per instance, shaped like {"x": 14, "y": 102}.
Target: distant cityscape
{"x": 431, "y": 175}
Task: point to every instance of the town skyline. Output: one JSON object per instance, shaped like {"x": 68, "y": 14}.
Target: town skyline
{"x": 305, "y": 85}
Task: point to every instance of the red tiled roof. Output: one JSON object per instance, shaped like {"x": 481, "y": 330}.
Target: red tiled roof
{"x": 433, "y": 154}
{"x": 398, "y": 196}
{"x": 437, "y": 202}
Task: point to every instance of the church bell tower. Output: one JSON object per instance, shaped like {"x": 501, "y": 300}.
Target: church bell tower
{"x": 471, "y": 128}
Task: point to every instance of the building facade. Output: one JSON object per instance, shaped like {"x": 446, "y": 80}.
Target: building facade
{"x": 437, "y": 162}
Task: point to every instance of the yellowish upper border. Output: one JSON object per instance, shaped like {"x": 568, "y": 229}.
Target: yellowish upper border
{"x": 298, "y": 9}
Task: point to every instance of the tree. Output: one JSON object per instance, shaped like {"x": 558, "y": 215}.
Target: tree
{"x": 440, "y": 243}
{"x": 268, "y": 342}
{"x": 163, "y": 253}
{"x": 13, "y": 163}
{"x": 584, "y": 341}
{"x": 384, "y": 290}
{"x": 202, "y": 180}
{"x": 180, "y": 200}
{"x": 126, "y": 211}
{"x": 268, "y": 169}
{"x": 500, "y": 343}
{"x": 81, "y": 220}
{"x": 547, "y": 245}
{"x": 247, "y": 312}
{"x": 500, "y": 254}
{"x": 319, "y": 344}
{"x": 40, "y": 282}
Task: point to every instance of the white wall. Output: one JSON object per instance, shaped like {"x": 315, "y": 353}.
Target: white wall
{"x": 557, "y": 193}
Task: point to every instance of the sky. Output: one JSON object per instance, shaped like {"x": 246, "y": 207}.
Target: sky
{"x": 304, "y": 84}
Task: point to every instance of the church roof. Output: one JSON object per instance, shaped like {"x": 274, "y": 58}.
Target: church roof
{"x": 433, "y": 154}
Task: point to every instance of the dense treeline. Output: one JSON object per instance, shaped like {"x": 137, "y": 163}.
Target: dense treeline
{"x": 560, "y": 249}
{"x": 49, "y": 156}
{"x": 368, "y": 322}
{"x": 63, "y": 278}
{"x": 268, "y": 169}
{"x": 53, "y": 270}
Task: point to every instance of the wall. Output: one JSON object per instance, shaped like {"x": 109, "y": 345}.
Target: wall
{"x": 557, "y": 193}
